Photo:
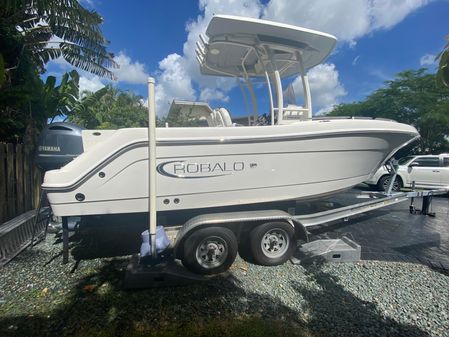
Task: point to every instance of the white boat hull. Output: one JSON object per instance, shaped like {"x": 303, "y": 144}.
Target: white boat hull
{"x": 214, "y": 167}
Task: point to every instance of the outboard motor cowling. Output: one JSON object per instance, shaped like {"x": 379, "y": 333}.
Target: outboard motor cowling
{"x": 59, "y": 143}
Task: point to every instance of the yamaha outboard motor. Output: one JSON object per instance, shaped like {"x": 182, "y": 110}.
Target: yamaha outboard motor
{"x": 59, "y": 143}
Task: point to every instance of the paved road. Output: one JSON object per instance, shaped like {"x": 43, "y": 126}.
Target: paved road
{"x": 393, "y": 233}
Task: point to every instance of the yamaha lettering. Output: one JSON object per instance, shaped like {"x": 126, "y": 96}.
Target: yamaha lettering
{"x": 49, "y": 148}
{"x": 183, "y": 169}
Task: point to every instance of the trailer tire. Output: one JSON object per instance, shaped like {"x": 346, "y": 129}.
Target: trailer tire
{"x": 210, "y": 250}
{"x": 272, "y": 243}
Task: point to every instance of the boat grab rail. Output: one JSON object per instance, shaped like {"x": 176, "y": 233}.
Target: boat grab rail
{"x": 324, "y": 118}
{"x": 352, "y": 117}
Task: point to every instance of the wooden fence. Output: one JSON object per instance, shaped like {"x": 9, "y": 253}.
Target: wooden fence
{"x": 20, "y": 181}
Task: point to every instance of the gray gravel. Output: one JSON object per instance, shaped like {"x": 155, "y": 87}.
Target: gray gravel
{"x": 40, "y": 296}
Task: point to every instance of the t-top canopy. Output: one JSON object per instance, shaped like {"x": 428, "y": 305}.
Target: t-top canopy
{"x": 239, "y": 46}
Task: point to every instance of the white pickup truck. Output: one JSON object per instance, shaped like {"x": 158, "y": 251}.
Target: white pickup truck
{"x": 427, "y": 171}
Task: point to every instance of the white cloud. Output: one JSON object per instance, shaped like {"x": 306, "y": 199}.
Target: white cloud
{"x": 427, "y": 60}
{"x": 87, "y": 81}
{"x": 186, "y": 70}
{"x": 325, "y": 87}
{"x": 208, "y": 94}
{"x": 179, "y": 75}
{"x": 348, "y": 20}
{"x": 61, "y": 63}
{"x": 129, "y": 71}
{"x": 90, "y": 84}
{"x": 387, "y": 13}
{"x": 345, "y": 19}
{"x": 173, "y": 83}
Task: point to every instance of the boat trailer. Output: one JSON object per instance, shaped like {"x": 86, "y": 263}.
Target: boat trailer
{"x": 168, "y": 271}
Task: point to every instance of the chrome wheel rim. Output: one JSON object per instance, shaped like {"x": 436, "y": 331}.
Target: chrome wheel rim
{"x": 211, "y": 252}
{"x": 275, "y": 243}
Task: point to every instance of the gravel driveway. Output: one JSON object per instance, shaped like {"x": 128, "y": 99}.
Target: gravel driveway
{"x": 40, "y": 296}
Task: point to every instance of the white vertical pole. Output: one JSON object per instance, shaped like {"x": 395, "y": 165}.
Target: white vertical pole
{"x": 270, "y": 94}
{"x": 280, "y": 98}
{"x": 152, "y": 166}
{"x": 307, "y": 95}
{"x": 305, "y": 86}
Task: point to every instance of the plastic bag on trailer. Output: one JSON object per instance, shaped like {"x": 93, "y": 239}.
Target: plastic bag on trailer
{"x": 162, "y": 242}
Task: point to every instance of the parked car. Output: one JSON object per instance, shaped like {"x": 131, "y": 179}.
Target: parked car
{"x": 427, "y": 171}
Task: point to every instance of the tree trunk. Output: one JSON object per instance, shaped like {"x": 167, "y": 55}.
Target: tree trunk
{"x": 30, "y": 137}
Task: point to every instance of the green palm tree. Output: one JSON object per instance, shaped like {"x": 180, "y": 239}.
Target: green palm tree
{"x": 59, "y": 100}
{"x": 443, "y": 68}
{"x": 109, "y": 108}
{"x": 47, "y": 29}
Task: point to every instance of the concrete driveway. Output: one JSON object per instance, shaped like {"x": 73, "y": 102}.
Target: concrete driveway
{"x": 391, "y": 233}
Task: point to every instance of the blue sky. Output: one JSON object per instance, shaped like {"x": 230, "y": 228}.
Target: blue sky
{"x": 377, "y": 39}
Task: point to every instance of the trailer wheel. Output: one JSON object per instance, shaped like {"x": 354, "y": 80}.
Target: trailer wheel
{"x": 210, "y": 250}
{"x": 272, "y": 243}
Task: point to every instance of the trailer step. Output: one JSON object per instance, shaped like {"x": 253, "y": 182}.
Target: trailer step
{"x": 337, "y": 250}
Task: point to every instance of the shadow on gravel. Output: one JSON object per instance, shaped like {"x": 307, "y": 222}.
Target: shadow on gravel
{"x": 333, "y": 311}
{"x": 99, "y": 306}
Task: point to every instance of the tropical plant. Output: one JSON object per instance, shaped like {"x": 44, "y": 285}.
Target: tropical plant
{"x": 109, "y": 108}
{"x": 34, "y": 102}
{"x": 32, "y": 32}
{"x": 47, "y": 29}
{"x": 443, "y": 66}
{"x": 413, "y": 97}
{"x": 60, "y": 100}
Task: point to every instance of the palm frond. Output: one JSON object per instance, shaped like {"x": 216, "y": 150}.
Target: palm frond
{"x": 443, "y": 66}
{"x": 88, "y": 60}
{"x": 44, "y": 55}
{"x": 38, "y": 21}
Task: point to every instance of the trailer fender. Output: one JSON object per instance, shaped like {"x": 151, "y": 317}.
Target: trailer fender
{"x": 300, "y": 230}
